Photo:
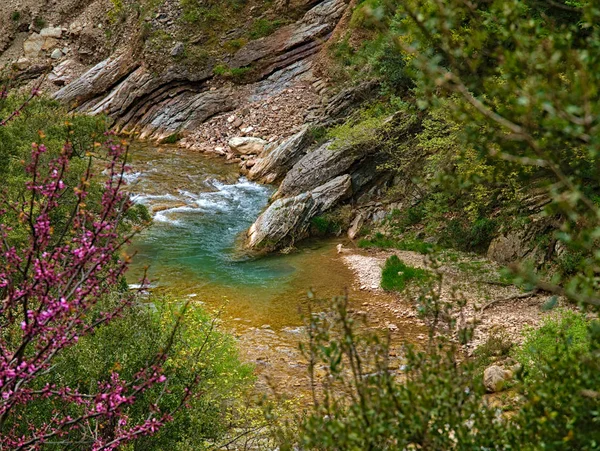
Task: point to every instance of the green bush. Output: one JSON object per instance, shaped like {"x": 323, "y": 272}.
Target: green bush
{"x": 565, "y": 334}
{"x": 396, "y": 274}
{"x": 469, "y": 236}
{"x": 131, "y": 342}
{"x": 435, "y": 399}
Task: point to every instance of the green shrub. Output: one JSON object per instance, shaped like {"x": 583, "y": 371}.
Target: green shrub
{"x": 467, "y": 236}
{"x": 497, "y": 346}
{"x": 221, "y": 70}
{"x": 39, "y": 22}
{"x": 436, "y": 400}
{"x": 130, "y": 342}
{"x": 15, "y": 16}
{"x": 565, "y": 333}
{"x": 322, "y": 225}
{"x": 396, "y": 274}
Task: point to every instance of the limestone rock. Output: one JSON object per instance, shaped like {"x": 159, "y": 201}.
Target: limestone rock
{"x": 247, "y": 146}
{"x": 521, "y": 244}
{"x": 49, "y": 43}
{"x": 356, "y": 225}
{"x": 22, "y": 64}
{"x": 51, "y": 32}
{"x": 495, "y": 377}
{"x": 33, "y": 45}
{"x": 288, "y": 219}
{"x": 62, "y": 73}
{"x": 56, "y": 54}
{"x": 319, "y": 166}
{"x": 178, "y": 49}
{"x": 275, "y": 162}
{"x": 98, "y": 79}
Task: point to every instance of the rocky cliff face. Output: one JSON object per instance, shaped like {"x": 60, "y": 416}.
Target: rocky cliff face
{"x": 261, "y": 120}
{"x": 179, "y": 100}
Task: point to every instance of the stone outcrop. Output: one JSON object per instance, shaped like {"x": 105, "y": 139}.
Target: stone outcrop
{"x": 287, "y": 220}
{"x": 247, "y": 145}
{"x": 174, "y": 101}
{"x": 523, "y": 244}
{"x": 293, "y": 42}
{"x": 98, "y": 80}
{"x": 319, "y": 166}
{"x": 274, "y": 163}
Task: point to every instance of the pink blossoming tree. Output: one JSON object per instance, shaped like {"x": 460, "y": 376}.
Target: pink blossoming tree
{"x": 50, "y": 287}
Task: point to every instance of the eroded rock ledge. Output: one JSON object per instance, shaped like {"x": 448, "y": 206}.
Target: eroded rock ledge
{"x": 176, "y": 101}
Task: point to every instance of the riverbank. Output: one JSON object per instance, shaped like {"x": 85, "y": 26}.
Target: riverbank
{"x": 493, "y": 307}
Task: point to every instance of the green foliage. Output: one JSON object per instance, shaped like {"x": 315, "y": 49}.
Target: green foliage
{"x": 497, "y": 347}
{"x": 39, "y": 22}
{"x": 318, "y": 133}
{"x": 236, "y": 74}
{"x": 234, "y": 45}
{"x": 131, "y": 342}
{"x": 396, "y": 275}
{"x": 332, "y": 222}
{"x": 45, "y": 122}
{"x": 323, "y": 225}
{"x": 566, "y": 334}
{"x": 264, "y": 27}
{"x": 15, "y": 16}
{"x": 470, "y": 237}
{"x": 436, "y": 400}
{"x": 172, "y": 139}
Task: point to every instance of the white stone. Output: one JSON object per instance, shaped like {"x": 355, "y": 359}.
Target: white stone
{"x": 246, "y": 146}
{"x": 51, "y": 32}
{"x": 22, "y": 64}
{"x": 494, "y": 378}
{"x": 33, "y": 45}
{"x": 56, "y": 54}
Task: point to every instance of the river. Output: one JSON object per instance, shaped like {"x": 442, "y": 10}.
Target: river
{"x": 201, "y": 208}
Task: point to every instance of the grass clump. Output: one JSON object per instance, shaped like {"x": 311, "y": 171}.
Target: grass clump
{"x": 264, "y": 27}
{"x": 396, "y": 274}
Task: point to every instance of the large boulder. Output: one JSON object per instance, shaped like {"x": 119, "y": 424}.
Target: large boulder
{"x": 247, "y": 145}
{"x": 495, "y": 378}
{"x": 289, "y": 219}
{"x": 275, "y": 162}
{"x": 320, "y": 166}
{"x": 523, "y": 243}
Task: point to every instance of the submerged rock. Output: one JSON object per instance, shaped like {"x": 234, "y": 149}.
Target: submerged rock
{"x": 289, "y": 219}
